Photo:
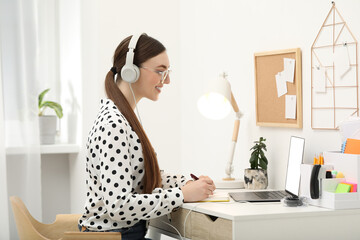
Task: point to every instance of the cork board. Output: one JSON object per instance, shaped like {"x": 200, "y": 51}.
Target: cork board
{"x": 270, "y": 109}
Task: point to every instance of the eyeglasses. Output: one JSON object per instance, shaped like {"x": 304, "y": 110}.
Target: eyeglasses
{"x": 163, "y": 74}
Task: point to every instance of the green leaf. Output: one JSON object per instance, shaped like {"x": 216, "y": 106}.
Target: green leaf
{"x": 41, "y": 96}
{"x": 263, "y": 165}
{"x": 265, "y": 159}
{"x": 253, "y": 166}
{"x": 255, "y": 152}
{"x": 252, "y": 158}
{"x": 55, "y": 106}
{"x": 261, "y": 153}
{"x": 253, "y": 161}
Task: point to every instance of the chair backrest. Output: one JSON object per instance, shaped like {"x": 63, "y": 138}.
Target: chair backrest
{"x": 25, "y": 223}
{"x": 64, "y": 227}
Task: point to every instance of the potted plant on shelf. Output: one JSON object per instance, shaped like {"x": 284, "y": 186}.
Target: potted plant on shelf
{"x": 47, "y": 123}
{"x": 256, "y": 176}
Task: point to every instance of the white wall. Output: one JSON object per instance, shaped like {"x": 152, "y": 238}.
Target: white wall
{"x": 55, "y": 186}
{"x": 224, "y": 35}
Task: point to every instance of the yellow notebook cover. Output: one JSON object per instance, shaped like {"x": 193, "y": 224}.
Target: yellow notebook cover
{"x": 352, "y": 146}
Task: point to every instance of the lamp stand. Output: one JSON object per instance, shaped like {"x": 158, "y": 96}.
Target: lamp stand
{"x": 228, "y": 181}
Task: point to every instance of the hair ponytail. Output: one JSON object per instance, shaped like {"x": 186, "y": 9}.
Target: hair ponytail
{"x": 146, "y": 48}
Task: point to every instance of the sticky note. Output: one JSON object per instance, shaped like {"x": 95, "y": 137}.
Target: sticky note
{"x": 352, "y": 185}
{"x": 342, "y": 188}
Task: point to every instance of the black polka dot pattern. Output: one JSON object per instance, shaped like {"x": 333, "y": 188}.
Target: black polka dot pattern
{"x": 114, "y": 175}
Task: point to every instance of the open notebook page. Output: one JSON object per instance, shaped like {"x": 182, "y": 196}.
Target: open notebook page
{"x": 217, "y": 197}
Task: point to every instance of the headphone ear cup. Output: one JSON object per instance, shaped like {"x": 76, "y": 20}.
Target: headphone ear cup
{"x": 137, "y": 70}
{"x": 130, "y": 73}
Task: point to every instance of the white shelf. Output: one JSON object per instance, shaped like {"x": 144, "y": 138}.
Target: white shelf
{"x": 59, "y": 148}
{"x": 47, "y": 149}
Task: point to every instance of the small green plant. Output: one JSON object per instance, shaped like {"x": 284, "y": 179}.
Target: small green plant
{"x": 53, "y": 105}
{"x": 258, "y": 158}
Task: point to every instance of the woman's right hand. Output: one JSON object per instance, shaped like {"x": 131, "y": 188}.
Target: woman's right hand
{"x": 198, "y": 190}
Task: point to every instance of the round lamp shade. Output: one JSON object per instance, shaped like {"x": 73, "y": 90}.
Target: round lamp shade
{"x": 215, "y": 103}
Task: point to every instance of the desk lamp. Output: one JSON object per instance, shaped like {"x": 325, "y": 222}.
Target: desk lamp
{"x": 216, "y": 104}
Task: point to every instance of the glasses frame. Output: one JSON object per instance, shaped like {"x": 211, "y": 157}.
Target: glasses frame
{"x": 163, "y": 74}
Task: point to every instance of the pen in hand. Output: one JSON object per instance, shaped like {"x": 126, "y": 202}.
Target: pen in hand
{"x": 194, "y": 177}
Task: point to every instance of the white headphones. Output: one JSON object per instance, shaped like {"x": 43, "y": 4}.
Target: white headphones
{"x": 130, "y": 72}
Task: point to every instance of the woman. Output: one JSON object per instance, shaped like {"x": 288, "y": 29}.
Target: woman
{"x": 125, "y": 187}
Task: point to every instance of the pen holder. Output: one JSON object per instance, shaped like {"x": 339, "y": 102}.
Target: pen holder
{"x": 306, "y": 173}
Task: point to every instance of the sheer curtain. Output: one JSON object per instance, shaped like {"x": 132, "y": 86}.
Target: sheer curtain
{"x": 4, "y": 211}
{"x": 20, "y": 80}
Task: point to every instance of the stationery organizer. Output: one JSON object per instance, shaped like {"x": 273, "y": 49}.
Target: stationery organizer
{"x": 349, "y": 165}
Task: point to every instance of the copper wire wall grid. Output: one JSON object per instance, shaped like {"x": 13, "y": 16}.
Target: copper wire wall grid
{"x": 341, "y": 96}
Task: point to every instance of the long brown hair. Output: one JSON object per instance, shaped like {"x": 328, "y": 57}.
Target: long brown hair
{"x": 146, "y": 48}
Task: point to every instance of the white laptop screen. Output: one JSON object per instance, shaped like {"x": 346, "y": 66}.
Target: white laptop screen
{"x": 296, "y": 152}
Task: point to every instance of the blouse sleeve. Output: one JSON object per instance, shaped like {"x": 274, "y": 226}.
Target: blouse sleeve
{"x": 116, "y": 178}
{"x": 172, "y": 181}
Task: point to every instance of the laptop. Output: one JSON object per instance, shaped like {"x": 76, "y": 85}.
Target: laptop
{"x": 292, "y": 183}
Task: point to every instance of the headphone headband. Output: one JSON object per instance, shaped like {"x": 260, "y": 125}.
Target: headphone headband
{"x": 130, "y": 72}
{"x": 132, "y": 45}
{"x": 134, "y": 39}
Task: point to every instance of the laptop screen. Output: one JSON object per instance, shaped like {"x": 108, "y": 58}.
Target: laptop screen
{"x": 296, "y": 152}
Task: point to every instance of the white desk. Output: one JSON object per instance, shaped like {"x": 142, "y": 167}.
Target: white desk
{"x": 259, "y": 221}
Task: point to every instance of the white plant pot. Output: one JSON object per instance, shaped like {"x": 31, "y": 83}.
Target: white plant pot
{"x": 47, "y": 129}
{"x": 255, "y": 178}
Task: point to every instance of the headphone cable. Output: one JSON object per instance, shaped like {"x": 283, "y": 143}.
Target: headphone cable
{"x": 137, "y": 111}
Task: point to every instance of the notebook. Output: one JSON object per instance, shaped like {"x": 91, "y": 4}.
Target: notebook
{"x": 292, "y": 182}
{"x": 217, "y": 197}
{"x": 352, "y": 146}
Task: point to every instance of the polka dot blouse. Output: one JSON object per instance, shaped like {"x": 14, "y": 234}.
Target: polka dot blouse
{"x": 114, "y": 177}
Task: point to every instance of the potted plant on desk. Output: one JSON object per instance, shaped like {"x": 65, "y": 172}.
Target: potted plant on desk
{"x": 47, "y": 123}
{"x": 256, "y": 177}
